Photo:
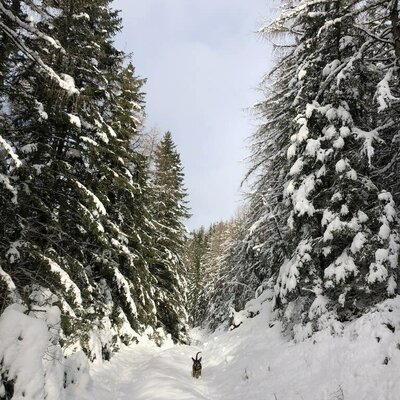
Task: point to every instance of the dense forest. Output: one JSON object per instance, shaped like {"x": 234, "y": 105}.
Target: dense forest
{"x": 320, "y": 224}
{"x": 91, "y": 228}
{"x": 94, "y": 249}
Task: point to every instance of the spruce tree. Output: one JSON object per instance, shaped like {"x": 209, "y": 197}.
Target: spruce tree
{"x": 222, "y": 287}
{"x": 170, "y": 211}
{"x": 384, "y": 47}
{"x": 195, "y": 252}
{"x": 24, "y": 44}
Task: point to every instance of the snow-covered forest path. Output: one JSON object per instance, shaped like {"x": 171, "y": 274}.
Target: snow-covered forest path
{"x": 257, "y": 362}
{"x": 146, "y": 372}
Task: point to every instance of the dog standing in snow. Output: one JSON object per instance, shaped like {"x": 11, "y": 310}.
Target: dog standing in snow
{"x": 196, "y": 369}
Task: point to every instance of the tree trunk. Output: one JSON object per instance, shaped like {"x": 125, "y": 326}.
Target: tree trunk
{"x": 394, "y": 18}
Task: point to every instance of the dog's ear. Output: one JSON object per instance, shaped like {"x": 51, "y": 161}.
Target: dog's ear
{"x": 193, "y": 359}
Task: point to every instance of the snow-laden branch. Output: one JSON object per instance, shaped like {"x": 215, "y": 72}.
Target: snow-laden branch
{"x": 31, "y": 28}
{"x": 64, "y": 81}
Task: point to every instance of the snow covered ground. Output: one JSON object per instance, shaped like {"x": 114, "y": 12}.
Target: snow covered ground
{"x": 256, "y": 362}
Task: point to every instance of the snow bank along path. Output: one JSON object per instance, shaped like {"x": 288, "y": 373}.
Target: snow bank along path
{"x": 256, "y": 362}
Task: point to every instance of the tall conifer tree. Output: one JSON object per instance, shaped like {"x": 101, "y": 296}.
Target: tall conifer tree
{"x": 170, "y": 212}
{"x": 195, "y": 264}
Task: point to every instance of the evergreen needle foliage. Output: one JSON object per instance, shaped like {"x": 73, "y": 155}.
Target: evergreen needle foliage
{"x": 321, "y": 223}
{"x": 86, "y": 224}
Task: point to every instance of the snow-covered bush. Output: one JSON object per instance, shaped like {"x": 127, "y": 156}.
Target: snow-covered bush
{"x": 33, "y": 365}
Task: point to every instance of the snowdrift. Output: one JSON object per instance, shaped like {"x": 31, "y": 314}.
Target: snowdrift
{"x": 255, "y": 361}
{"x": 32, "y": 363}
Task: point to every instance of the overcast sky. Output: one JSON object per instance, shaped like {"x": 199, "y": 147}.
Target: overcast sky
{"x": 203, "y": 62}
